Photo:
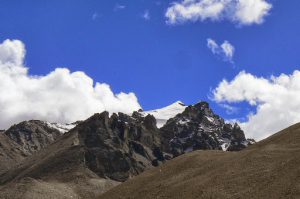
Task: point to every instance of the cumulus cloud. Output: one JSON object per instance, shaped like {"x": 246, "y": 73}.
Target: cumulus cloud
{"x": 251, "y": 11}
{"x": 225, "y": 50}
{"x": 276, "y": 99}
{"x": 243, "y": 12}
{"x": 60, "y": 96}
{"x": 12, "y": 53}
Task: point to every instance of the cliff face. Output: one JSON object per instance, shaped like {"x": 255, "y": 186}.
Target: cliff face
{"x": 119, "y": 146}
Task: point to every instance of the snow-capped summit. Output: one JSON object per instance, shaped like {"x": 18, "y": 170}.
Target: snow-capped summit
{"x": 163, "y": 114}
{"x": 63, "y": 128}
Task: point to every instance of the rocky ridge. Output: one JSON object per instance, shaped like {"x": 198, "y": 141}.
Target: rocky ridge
{"x": 116, "y": 147}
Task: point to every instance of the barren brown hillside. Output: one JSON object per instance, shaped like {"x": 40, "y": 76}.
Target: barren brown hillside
{"x": 268, "y": 169}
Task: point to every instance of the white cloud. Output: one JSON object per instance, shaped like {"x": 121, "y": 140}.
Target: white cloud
{"x": 119, "y": 7}
{"x": 12, "y": 52}
{"x": 251, "y": 11}
{"x": 244, "y": 12}
{"x": 225, "y": 50}
{"x": 228, "y": 49}
{"x": 146, "y": 15}
{"x": 229, "y": 109}
{"x": 60, "y": 96}
{"x": 276, "y": 99}
{"x": 212, "y": 45}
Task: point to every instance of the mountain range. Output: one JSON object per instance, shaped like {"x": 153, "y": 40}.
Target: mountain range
{"x": 87, "y": 158}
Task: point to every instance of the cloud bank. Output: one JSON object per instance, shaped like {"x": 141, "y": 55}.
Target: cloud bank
{"x": 242, "y": 12}
{"x": 225, "y": 50}
{"x": 277, "y": 101}
{"x": 60, "y": 96}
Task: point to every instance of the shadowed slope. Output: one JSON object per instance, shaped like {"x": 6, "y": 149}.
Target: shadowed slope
{"x": 268, "y": 169}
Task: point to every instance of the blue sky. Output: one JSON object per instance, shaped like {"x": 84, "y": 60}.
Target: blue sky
{"x": 160, "y": 62}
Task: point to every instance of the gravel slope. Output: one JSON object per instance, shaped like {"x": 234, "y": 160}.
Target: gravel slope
{"x": 268, "y": 169}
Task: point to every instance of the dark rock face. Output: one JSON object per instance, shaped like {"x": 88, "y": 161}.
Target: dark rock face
{"x": 119, "y": 146}
{"x": 199, "y": 128}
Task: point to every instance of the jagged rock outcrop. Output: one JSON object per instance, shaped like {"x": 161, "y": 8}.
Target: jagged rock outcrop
{"x": 197, "y": 127}
{"x": 119, "y": 146}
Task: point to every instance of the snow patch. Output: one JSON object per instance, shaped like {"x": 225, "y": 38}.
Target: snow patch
{"x": 183, "y": 122}
{"x": 210, "y": 119}
{"x": 63, "y": 128}
{"x": 225, "y": 143}
{"x": 162, "y": 115}
{"x": 225, "y": 146}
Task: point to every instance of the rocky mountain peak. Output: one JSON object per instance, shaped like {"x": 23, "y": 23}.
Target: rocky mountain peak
{"x": 197, "y": 111}
{"x": 202, "y": 105}
{"x": 32, "y": 135}
{"x": 198, "y": 127}
{"x": 129, "y": 144}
